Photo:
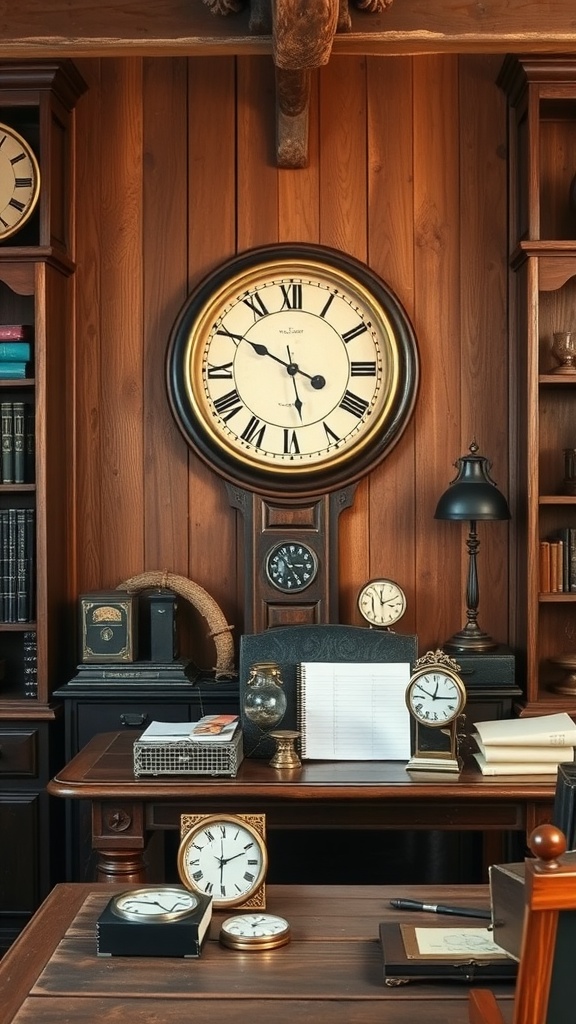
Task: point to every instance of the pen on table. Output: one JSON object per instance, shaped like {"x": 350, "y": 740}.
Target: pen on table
{"x": 440, "y": 908}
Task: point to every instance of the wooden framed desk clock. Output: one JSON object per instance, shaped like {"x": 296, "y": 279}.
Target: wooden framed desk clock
{"x": 292, "y": 370}
{"x": 436, "y": 698}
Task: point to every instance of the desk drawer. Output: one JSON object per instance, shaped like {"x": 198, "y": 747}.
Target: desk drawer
{"x": 18, "y": 753}
{"x": 95, "y": 717}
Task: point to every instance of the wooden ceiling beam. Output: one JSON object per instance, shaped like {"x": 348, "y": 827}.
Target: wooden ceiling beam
{"x": 48, "y": 28}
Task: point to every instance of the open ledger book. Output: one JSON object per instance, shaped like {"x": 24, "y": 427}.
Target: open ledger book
{"x": 350, "y": 711}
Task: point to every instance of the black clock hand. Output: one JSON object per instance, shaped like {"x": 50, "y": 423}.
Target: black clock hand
{"x": 317, "y": 381}
{"x": 297, "y": 403}
{"x": 226, "y": 860}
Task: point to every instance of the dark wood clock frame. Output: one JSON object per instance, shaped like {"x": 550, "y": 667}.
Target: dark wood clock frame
{"x": 285, "y": 497}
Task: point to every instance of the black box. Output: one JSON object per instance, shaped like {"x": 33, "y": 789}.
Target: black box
{"x": 508, "y": 901}
{"x": 109, "y": 626}
{"x": 496, "y": 667}
{"x": 182, "y": 937}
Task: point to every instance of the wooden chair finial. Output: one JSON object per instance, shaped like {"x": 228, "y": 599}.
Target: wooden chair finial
{"x": 547, "y": 843}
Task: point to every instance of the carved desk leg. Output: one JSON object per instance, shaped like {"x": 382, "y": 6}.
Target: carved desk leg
{"x": 118, "y": 837}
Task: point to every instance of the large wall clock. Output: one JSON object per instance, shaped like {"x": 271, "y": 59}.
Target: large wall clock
{"x": 292, "y": 370}
{"x": 19, "y": 181}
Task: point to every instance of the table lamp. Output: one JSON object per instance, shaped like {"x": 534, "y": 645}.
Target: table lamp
{"x": 471, "y": 496}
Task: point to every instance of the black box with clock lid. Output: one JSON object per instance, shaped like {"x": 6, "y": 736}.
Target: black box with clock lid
{"x": 160, "y": 920}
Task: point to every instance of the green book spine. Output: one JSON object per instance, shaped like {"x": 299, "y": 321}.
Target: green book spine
{"x": 7, "y": 429}
{"x": 19, "y": 453}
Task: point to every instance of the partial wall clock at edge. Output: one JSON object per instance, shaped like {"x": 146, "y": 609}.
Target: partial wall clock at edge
{"x": 292, "y": 371}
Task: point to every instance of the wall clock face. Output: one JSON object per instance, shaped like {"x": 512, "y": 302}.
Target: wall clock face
{"x": 19, "y": 181}
{"x": 292, "y": 368}
{"x": 291, "y": 566}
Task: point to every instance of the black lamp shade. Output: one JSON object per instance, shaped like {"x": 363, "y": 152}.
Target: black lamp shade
{"x": 472, "y": 494}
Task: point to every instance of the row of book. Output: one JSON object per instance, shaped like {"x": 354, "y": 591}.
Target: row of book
{"x": 525, "y": 746}
{"x": 17, "y": 425}
{"x": 17, "y": 565}
{"x": 15, "y": 351}
{"x": 557, "y": 557}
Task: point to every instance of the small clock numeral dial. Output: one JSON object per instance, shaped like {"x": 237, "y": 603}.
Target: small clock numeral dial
{"x": 19, "y": 181}
{"x": 161, "y": 903}
{"x": 291, "y": 566}
{"x": 436, "y": 698}
{"x": 381, "y": 602}
{"x": 255, "y": 931}
{"x": 224, "y": 858}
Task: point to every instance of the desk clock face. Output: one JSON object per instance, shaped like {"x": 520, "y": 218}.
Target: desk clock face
{"x": 225, "y": 857}
{"x": 435, "y": 697}
{"x": 255, "y": 931}
{"x": 158, "y": 903}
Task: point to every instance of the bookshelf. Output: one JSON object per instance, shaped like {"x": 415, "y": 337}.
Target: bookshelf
{"x": 541, "y": 91}
{"x": 36, "y": 290}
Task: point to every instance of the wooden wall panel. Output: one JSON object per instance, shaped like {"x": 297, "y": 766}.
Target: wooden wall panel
{"x": 391, "y": 509}
{"x": 484, "y": 377}
{"x": 121, "y": 322}
{"x": 344, "y": 225}
{"x": 212, "y": 197}
{"x": 164, "y": 243}
{"x": 437, "y": 323}
{"x": 86, "y": 454}
{"x": 176, "y": 172}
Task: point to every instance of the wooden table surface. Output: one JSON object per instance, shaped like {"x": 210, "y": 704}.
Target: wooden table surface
{"x": 331, "y": 969}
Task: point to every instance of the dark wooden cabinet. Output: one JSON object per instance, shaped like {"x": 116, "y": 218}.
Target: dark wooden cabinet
{"x": 89, "y": 710}
{"x": 36, "y": 289}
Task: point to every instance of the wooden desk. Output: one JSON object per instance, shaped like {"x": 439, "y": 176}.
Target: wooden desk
{"x": 331, "y": 969}
{"x": 335, "y": 794}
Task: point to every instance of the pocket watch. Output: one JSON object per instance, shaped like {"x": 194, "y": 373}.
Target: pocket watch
{"x": 224, "y": 856}
{"x": 292, "y": 369}
{"x": 381, "y": 602}
{"x": 255, "y": 931}
{"x": 291, "y": 566}
{"x": 19, "y": 181}
{"x": 436, "y": 698}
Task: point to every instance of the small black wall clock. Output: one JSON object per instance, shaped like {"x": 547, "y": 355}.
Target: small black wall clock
{"x": 292, "y": 370}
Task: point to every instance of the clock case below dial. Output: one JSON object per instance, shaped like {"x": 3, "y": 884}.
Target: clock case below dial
{"x": 436, "y": 749}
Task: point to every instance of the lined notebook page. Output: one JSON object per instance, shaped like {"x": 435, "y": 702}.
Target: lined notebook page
{"x": 354, "y": 711}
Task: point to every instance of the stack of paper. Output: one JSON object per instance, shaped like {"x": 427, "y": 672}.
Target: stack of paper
{"x": 219, "y": 728}
{"x": 525, "y": 746}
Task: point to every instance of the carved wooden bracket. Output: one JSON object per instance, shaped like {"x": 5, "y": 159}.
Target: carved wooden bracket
{"x": 302, "y": 33}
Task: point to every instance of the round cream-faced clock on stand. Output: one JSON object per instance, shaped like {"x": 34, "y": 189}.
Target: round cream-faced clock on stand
{"x": 436, "y": 698}
{"x": 224, "y": 856}
{"x": 381, "y": 602}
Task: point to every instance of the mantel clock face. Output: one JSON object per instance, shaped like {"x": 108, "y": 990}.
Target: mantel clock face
{"x": 292, "y": 369}
{"x": 436, "y": 698}
{"x": 19, "y": 181}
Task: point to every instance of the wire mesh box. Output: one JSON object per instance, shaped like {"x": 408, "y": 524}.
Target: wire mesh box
{"x": 188, "y": 757}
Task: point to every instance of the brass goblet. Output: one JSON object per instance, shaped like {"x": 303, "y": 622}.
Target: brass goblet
{"x": 567, "y": 685}
{"x": 564, "y": 350}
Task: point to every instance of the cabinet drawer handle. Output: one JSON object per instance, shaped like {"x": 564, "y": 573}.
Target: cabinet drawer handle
{"x": 134, "y": 721}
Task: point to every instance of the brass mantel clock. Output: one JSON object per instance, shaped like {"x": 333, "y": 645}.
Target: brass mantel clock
{"x": 292, "y": 370}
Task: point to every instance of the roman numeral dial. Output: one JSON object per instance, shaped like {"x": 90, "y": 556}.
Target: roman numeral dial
{"x": 19, "y": 181}
{"x": 292, "y": 364}
{"x": 224, "y": 856}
